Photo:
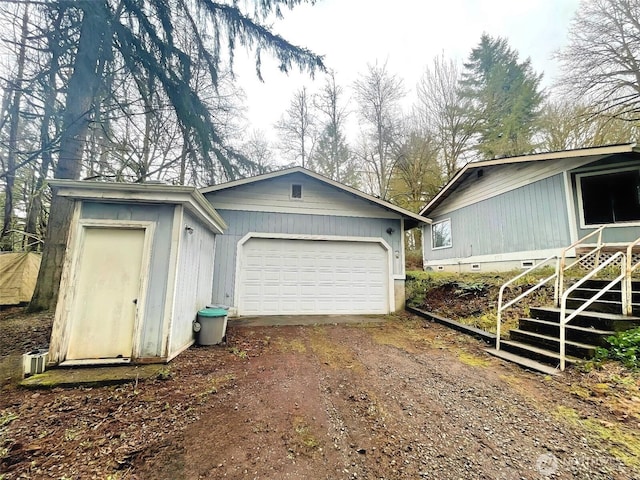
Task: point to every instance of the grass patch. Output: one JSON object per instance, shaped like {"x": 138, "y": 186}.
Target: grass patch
{"x": 473, "y": 360}
{"x": 407, "y": 335}
{"x": 294, "y": 345}
{"x": 216, "y": 383}
{"x": 622, "y": 443}
{"x": 304, "y": 434}
{"x": 331, "y": 353}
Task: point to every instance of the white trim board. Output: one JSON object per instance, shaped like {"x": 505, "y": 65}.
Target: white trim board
{"x": 502, "y": 257}
{"x": 106, "y": 192}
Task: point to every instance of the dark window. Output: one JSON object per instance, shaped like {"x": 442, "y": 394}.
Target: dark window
{"x": 611, "y": 198}
{"x": 296, "y": 191}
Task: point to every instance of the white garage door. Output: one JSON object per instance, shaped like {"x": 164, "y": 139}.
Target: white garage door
{"x": 288, "y": 277}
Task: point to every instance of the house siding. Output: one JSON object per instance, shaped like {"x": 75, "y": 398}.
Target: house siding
{"x": 273, "y": 195}
{"x": 162, "y": 215}
{"x": 242, "y": 222}
{"x": 497, "y": 180}
{"x": 193, "y": 281}
{"x": 529, "y": 218}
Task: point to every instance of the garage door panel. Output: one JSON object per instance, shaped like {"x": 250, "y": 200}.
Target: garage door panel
{"x": 282, "y": 276}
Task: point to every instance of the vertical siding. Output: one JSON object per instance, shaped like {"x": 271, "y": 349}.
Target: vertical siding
{"x": 162, "y": 215}
{"x": 242, "y": 222}
{"x": 194, "y": 280}
{"x": 533, "y": 217}
{"x": 274, "y": 195}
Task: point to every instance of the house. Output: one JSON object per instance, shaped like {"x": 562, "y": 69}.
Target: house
{"x": 514, "y": 212}
{"x": 300, "y": 243}
{"x": 142, "y": 259}
{"x": 137, "y": 269}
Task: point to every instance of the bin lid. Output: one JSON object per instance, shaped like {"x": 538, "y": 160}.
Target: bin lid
{"x": 212, "y": 312}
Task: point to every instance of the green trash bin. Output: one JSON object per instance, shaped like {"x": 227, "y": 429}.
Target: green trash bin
{"x": 210, "y": 326}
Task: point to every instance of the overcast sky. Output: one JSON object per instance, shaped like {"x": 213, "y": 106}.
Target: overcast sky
{"x": 407, "y": 34}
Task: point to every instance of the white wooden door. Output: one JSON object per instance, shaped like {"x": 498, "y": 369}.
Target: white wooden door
{"x": 293, "y": 277}
{"x": 107, "y": 284}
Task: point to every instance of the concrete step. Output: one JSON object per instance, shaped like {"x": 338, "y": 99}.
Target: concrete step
{"x": 575, "y": 349}
{"x": 535, "y": 353}
{"x": 524, "y": 362}
{"x": 589, "y": 335}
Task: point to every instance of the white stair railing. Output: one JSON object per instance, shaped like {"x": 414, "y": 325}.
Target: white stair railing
{"x": 564, "y": 318}
{"x": 502, "y": 308}
{"x": 627, "y": 285}
{"x": 562, "y": 263}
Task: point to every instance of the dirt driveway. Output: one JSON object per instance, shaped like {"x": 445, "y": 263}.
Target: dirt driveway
{"x": 400, "y": 400}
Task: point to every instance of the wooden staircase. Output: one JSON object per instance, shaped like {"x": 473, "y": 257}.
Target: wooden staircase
{"x": 588, "y": 311}
{"x": 535, "y": 344}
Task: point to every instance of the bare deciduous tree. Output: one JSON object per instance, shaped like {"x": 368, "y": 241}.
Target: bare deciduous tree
{"x": 297, "y": 128}
{"x": 332, "y": 156}
{"x": 602, "y": 59}
{"x": 564, "y": 125}
{"x": 378, "y": 94}
{"x": 445, "y": 113}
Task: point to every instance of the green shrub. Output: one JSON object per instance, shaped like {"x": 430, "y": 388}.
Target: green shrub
{"x": 624, "y": 347}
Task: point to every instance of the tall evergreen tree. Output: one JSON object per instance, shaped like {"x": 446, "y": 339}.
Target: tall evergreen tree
{"x": 141, "y": 37}
{"x": 506, "y": 98}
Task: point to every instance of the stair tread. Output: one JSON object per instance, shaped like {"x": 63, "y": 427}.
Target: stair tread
{"x": 572, "y": 327}
{"x": 596, "y": 290}
{"x": 586, "y": 313}
{"x": 523, "y": 361}
{"x": 555, "y": 339}
{"x": 600, "y": 300}
{"x": 541, "y": 351}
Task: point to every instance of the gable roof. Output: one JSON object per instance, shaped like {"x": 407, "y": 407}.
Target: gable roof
{"x": 412, "y": 219}
{"x": 591, "y": 154}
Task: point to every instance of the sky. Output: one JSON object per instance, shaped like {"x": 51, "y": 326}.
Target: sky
{"x": 407, "y": 35}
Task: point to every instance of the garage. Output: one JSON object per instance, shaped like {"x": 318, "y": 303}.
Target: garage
{"x": 280, "y": 276}
{"x": 298, "y": 243}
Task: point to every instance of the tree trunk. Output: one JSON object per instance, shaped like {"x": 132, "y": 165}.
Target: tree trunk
{"x": 35, "y": 206}
{"x": 13, "y": 138}
{"x": 80, "y": 96}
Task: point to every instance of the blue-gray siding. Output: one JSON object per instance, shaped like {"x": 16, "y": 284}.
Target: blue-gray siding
{"x": 242, "y": 222}
{"x": 194, "y": 279}
{"x": 162, "y": 215}
{"x": 533, "y": 217}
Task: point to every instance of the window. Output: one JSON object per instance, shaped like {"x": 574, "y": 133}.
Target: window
{"x": 296, "y": 191}
{"x": 610, "y": 197}
{"x": 441, "y": 234}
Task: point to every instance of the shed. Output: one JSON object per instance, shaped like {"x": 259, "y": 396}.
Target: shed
{"x": 513, "y": 212}
{"x": 299, "y": 243}
{"x": 18, "y": 275}
{"x": 138, "y": 268}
